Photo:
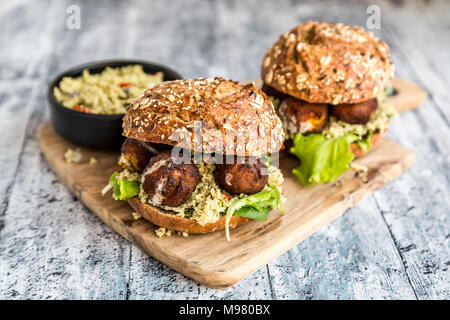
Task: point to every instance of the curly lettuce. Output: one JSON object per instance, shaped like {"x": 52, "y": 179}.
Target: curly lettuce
{"x": 365, "y": 142}
{"x": 255, "y": 206}
{"x": 322, "y": 159}
{"x": 122, "y": 189}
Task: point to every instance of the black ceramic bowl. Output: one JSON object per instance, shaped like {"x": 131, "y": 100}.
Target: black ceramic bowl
{"x": 95, "y": 130}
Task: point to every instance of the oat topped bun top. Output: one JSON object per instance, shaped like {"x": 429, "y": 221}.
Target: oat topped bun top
{"x": 207, "y": 115}
{"x": 328, "y": 63}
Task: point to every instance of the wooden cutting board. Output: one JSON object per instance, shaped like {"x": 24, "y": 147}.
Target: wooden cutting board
{"x": 407, "y": 95}
{"x": 210, "y": 259}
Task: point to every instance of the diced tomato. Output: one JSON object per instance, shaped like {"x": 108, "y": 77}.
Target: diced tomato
{"x": 81, "y": 109}
{"x": 226, "y": 196}
{"x": 125, "y": 84}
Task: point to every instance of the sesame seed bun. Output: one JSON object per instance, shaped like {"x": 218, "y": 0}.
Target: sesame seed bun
{"x": 328, "y": 63}
{"x": 170, "y": 220}
{"x": 169, "y": 112}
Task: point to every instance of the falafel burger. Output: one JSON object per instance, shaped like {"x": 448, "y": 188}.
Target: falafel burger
{"x": 200, "y": 156}
{"x": 327, "y": 82}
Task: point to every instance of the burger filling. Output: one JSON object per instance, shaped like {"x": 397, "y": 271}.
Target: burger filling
{"x": 209, "y": 202}
{"x": 322, "y": 134}
{"x": 202, "y": 192}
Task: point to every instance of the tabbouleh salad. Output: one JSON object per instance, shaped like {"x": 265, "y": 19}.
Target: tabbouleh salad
{"x": 108, "y": 92}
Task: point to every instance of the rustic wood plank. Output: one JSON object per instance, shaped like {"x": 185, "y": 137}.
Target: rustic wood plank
{"x": 422, "y": 51}
{"x": 416, "y": 207}
{"x": 11, "y": 113}
{"x": 407, "y": 95}
{"x": 16, "y": 87}
{"x": 17, "y": 62}
{"x": 254, "y": 244}
{"x": 39, "y": 265}
{"x": 152, "y": 279}
{"x": 230, "y": 38}
{"x": 44, "y": 258}
{"x": 52, "y": 246}
{"x": 18, "y": 91}
{"x": 359, "y": 262}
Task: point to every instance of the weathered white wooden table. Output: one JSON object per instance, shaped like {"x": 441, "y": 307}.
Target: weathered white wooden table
{"x": 394, "y": 245}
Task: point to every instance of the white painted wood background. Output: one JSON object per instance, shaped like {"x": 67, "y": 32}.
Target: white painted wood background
{"x": 393, "y": 245}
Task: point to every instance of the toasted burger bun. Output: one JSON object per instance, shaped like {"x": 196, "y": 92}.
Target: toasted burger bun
{"x": 328, "y": 63}
{"x": 168, "y": 113}
{"x": 375, "y": 140}
{"x": 170, "y": 220}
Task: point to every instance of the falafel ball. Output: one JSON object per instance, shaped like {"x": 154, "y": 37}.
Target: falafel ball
{"x": 356, "y": 113}
{"x": 299, "y": 116}
{"x": 249, "y": 177}
{"x": 168, "y": 183}
{"x": 135, "y": 155}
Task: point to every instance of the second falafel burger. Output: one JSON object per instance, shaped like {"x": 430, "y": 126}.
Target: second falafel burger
{"x": 327, "y": 82}
{"x": 197, "y": 157}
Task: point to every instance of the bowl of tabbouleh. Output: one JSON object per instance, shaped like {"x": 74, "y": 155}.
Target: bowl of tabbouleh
{"x": 87, "y": 102}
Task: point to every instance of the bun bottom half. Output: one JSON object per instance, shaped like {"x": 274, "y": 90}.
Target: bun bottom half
{"x": 170, "y": 220}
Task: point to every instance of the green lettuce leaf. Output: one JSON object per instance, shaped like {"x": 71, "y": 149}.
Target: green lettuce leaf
{"x": 255, "y": 206}
{"x": 253, "y": 213}
{"x": 128, "y": 189}
{"x": 365, "y": 143}
{"x": 113, "y": 178}
{"x": 122, "y": 189}
{"x": 321, "y": 159}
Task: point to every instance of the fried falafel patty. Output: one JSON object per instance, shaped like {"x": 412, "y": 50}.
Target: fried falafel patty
{"x": 167, "y": 183}
{"x": 303, "y": 117}
{"x": 135, "y": 155}
{"x": 299, "y": 116}
{"x": 236, "y": 178}
{"x": 356, "y": 113}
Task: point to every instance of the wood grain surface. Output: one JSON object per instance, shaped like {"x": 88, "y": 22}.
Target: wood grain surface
{"x": 407, "y": 95}
{"x": 253, "y": 244}
{"x": 395, "y": 244}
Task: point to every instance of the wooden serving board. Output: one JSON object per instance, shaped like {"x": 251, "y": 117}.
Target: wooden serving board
{"x": 210, "y": 259}
{"x": 407, "y": 95}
